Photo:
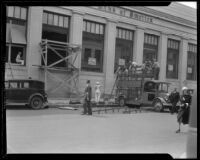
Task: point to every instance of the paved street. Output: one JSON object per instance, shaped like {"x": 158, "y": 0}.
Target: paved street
{"x": 55, "y": 130}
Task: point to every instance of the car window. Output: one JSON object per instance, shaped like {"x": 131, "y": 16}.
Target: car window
{"x": 13, "y": 85}
{"x": 150, "y": 87}
{"x": 6, "y": 84}
{"x": 26, "y": 85}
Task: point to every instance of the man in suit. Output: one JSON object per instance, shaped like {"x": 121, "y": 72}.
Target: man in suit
{"x": 175, "y": 96}
{"x": 88, "y": 96}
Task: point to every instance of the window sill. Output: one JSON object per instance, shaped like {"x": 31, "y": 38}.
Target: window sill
{"x": 15, "y": 66}
{"x": 191, "y": 81}
{"x": 172, "y": 80}
{"x": 88, "y": 73}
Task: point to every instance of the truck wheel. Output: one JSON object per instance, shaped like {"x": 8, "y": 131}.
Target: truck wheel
{"x": 121, "y": 102}
{"x": 36, "y": 102}
{"x": 158, "y": 106}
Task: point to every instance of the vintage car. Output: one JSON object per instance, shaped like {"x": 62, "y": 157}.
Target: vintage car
{"x": 25, "y": 92}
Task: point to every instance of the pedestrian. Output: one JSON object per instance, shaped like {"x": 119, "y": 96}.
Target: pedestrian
{"x": 174, "y": 98}
{"x": 97, "y": 92}
{"x": 184, "y": 111}
{"x": 19, "y": 59}
{"x": 87, "y": 101}
{"x": 155, "y": 69}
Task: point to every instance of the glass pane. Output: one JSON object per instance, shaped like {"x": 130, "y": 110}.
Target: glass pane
{"x": 23, "y": 13}
{"x": 26, "y": 85}
{"x": 50, "y": 18}
{"x": 55, "y": 20}
{"x": 124, "y": 34}
{"x": 97, "y": 29}
{"x": 10, "y": 11}
{"x": 92, "y": 27}
{"x": 88, "y": 25}
{"x": 66, "y": 22}
{"x": 61, "y": 21}
{"x": 44, "y": 18}
{"x": 119, "y": 32}
{"x": 98, "y": 56}
{"x": 127, "y": 35}
{"x": 13, "y": 84}
{"x": 101, "y": 29}
{"x": 84, "y": 26}
{"x": 87, "y": 54}
{"x": 17, "y": 12}
{"x": 131, "y": 35}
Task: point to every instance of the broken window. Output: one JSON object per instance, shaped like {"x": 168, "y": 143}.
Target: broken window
{"x": 16, "y": 24}
{"x": 56, "y": 29}
{"x": 93, "y": 45}
{"x": 123, "y": 47}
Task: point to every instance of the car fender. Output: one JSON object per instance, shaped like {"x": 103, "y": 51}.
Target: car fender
{"x": 35, "y": 94}
{"x": 160, "y": 99}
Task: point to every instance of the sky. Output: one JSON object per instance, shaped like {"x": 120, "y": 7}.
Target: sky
{"x": 190, "y": 4}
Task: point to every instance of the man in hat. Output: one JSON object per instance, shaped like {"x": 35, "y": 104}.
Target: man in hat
{"x": 88, "y": 97}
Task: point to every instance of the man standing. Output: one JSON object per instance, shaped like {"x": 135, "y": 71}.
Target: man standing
{"x": 88, "y": 97}
{"x": 175, "y": 96}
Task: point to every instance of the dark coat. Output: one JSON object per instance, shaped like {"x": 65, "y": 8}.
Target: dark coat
{"x": 184, "y": 111}
{"x": 88, "y": 93}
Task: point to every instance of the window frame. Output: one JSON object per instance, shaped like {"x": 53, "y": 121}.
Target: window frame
{"x": 93, "y": 41}
{"x": 193, "y": 76}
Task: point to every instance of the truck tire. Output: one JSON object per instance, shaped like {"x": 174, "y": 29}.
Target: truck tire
{"x": 158, "y": 106}
{"x": 36, "y": 102}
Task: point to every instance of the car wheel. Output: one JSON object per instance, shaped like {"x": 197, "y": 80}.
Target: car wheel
{"x": 36, "y": 102}
{"x": 121, "y": 102}
{"x": 158, "y": 106}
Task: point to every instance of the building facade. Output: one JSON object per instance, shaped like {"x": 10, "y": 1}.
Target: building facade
{"x": 108, "y": 36}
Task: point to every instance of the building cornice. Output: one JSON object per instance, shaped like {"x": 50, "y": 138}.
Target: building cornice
{"x": 164, "y": 16}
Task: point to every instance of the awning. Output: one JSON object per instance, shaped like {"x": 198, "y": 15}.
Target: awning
{"x": 8, "y": 37}
{"x": 18, "y": 34}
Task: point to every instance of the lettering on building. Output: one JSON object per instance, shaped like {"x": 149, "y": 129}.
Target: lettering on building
{"x": 126, "y": 13}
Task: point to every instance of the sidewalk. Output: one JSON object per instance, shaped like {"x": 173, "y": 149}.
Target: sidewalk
{"x": 67, "y": 102}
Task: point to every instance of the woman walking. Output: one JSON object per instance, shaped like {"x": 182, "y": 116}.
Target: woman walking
{"x": 184, "y": 111}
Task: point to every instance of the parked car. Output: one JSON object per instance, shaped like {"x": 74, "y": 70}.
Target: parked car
{"x": 26, "y": 92}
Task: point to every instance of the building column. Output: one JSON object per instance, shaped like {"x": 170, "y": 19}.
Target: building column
{"x": 34, "y": 34}
{"x": 182, "y": 73}
{"x": 76, "y": 32}
{"x": 138, "y": 45}
{"x": 162, "y": 56}
{"x": 109, "y": 55}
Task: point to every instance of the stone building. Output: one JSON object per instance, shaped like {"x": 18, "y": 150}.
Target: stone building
{"x": 108, "y": 35}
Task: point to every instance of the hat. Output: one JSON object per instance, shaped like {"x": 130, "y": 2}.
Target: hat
{"x": 88, "y": 81}
{"x": 97, "y": 82}
{"x": 184, "y": 88}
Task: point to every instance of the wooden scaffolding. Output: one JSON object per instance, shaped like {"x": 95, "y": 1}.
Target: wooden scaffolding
{"x": 70, "y": 72}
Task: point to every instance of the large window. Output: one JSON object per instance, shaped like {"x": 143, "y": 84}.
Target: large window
{"x": 172, "y": 59}
{"x": 16, "y": 24}
{"x": 55, "y": 28}
{"x": 123, "y": 47}
{"x": 150, "y": 47}
{"x": 192, "y": 62}
{"x": 93, "y": 46}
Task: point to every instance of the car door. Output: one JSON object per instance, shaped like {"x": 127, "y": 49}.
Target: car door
{"x": 149, "y": 93}
{"x": 13, "y": 92}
